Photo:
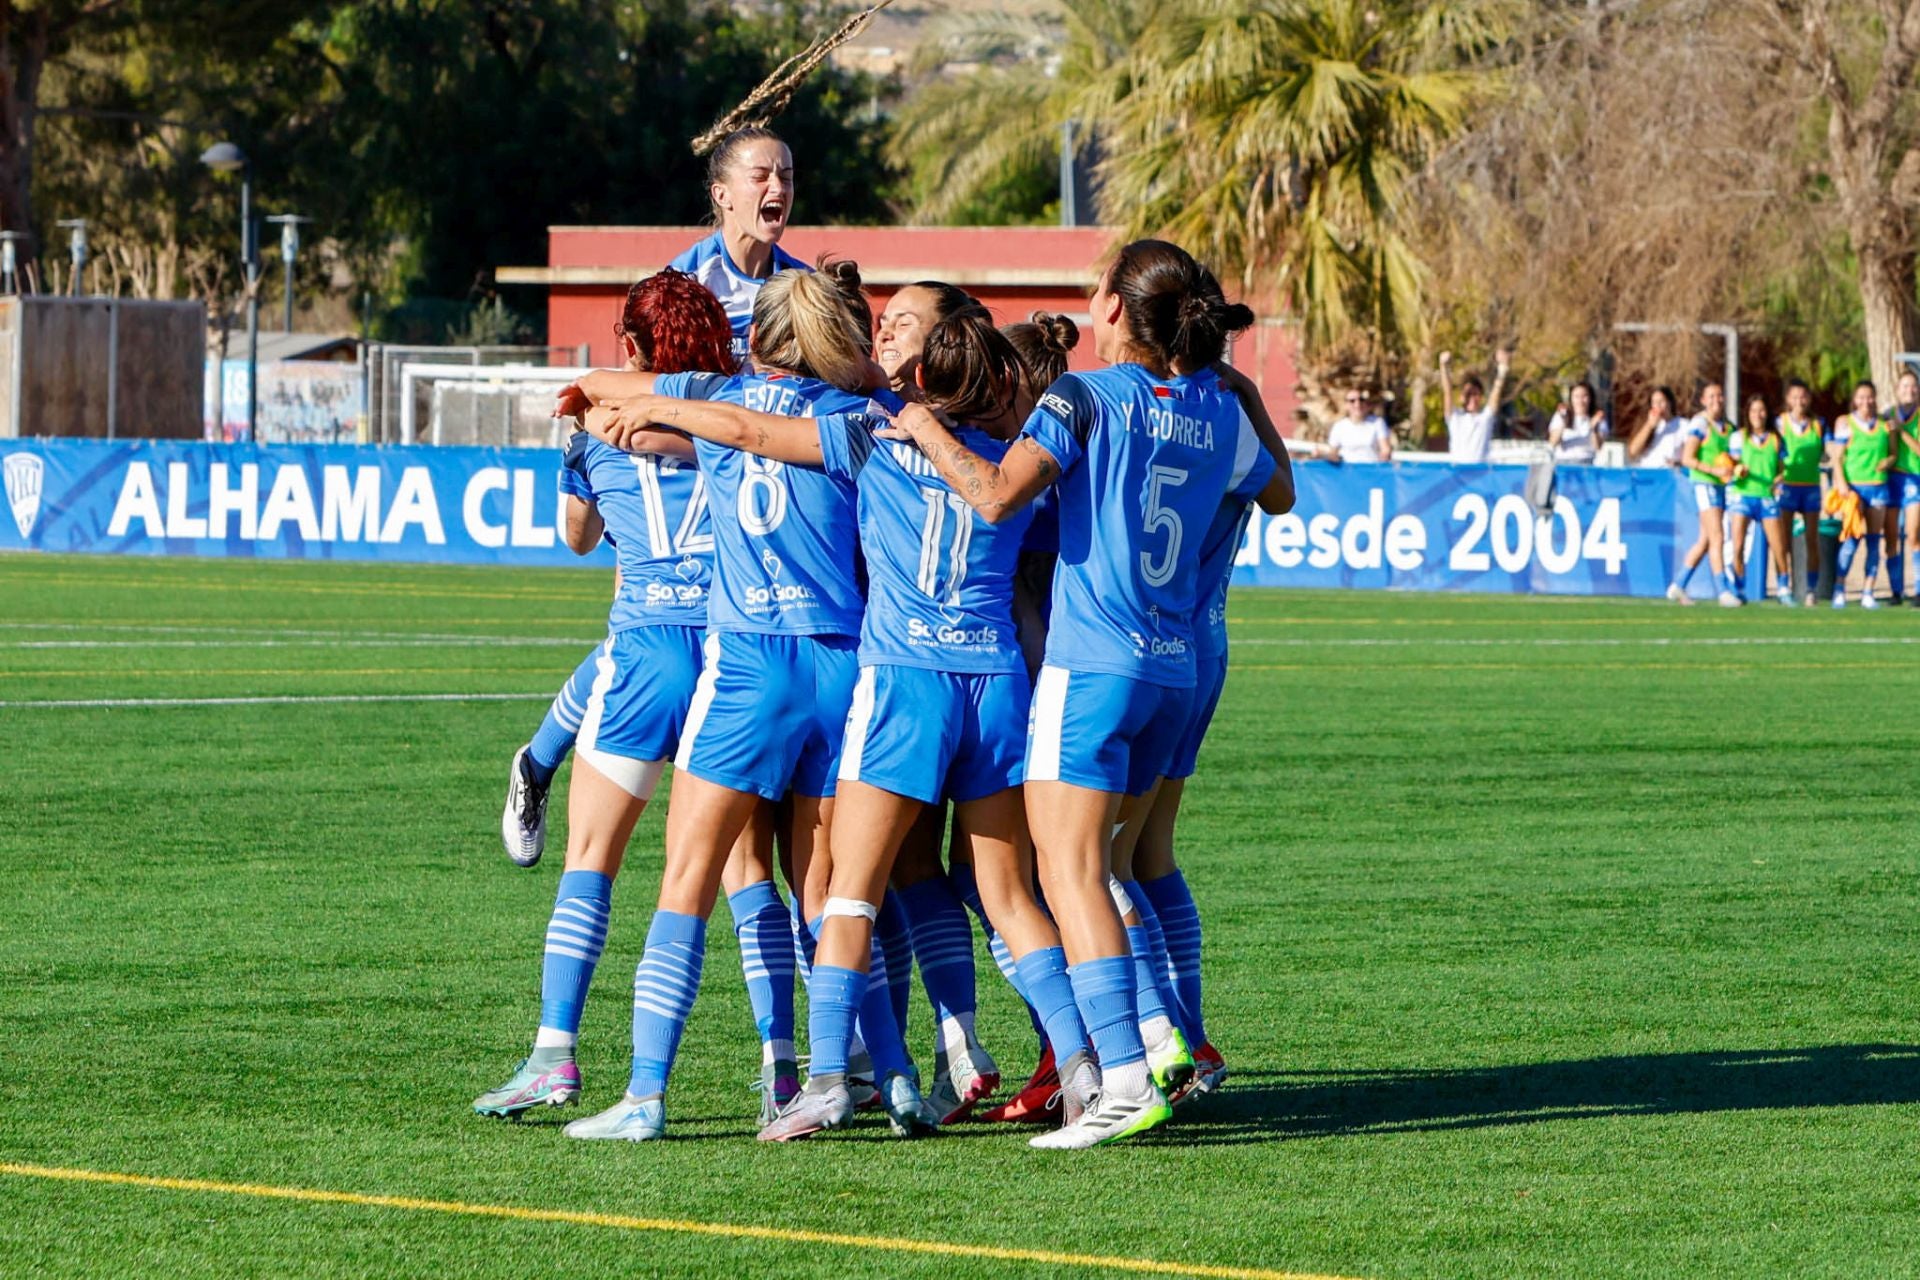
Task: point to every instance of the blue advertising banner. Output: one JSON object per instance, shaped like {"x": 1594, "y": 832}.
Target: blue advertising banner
{"x": 329, "y": 502}
{"x": 1408, "y": 526}
{"x": 1440, "y": 527}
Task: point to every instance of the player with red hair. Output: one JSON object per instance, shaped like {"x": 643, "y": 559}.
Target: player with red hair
{"x": 633, "y": 692}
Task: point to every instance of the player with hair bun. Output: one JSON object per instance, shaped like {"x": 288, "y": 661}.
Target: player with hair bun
{"x": 1144, "y": 452}
{"x": 634, "y": 690}
{"x": 770, "y": 711}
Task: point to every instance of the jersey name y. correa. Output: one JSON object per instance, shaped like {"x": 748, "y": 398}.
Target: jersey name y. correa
{"x": 939, "y": 575}
{"x": 655, "y": 511}
{"x": 1145, "y": 465}
{"x": 710, "y": 264}
{"x": 784, "y": 537}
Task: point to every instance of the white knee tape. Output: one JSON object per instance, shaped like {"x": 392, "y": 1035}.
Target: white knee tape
{"x": 851, "y": 907}
{"x": 1121, "y": 902}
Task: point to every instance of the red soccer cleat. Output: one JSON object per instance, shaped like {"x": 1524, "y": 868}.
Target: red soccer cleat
{"x": 1036, "y": 1101}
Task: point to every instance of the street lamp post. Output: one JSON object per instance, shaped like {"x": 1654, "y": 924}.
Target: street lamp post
{"x": 289, "y": 248}
{"x": 224, "y": 157}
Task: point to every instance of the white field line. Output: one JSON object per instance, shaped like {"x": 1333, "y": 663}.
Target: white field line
{"x": 272, "y": 700}
{"x": 269, "y": 633}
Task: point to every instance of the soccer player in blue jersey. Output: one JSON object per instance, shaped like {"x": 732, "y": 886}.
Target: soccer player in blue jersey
{"x": 642, "y": 676}
{"x": 750, "y": 184}
{"x": 939, "y": 713}
{"x": 1143, "y": 452}
{"x": 770, "y": 711}
{"x": 1144, "y": 854}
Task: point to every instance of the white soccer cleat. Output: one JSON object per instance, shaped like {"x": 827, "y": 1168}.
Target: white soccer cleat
{"x": 815, "y": 1108}
{"x": 908, "y": 1114}
{"x": 1868, "y": 600}
{"x": 1812, "y": 600}
{"x": 523, "y": 823}
{"x": 1839, "y": 599}
{"x": 1785, "y": 597}
{"x": 629, "y": 1120}
{"x": 1728, "y": 600}
{"x": 962, "y": 1080}
{"x": 1110, "y": 1120}
{"x": 1079, "y": 1087}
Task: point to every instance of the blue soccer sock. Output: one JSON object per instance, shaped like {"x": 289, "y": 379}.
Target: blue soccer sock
{"x": 943, "y": 948}
{"x": 833, "y": 1001}
{"x": 562, "y": 722}
{"x": 897, "y": 941}
{"x": 1160, "y": 965}
{"x": 803, "y": 936}
{"x": 1044, "y": 974}
{"x": 1685, "y": 577}
{"x": 765, "y": 932}
{"x": 663, "y": 990}
{"x": 1897, "y": 571}
{"x": 1180, "y": 922}
{"x": 885, "y": 1044}
{"x": 1104, "y": 990}
{"x": 1844, "y": 566}
{"x": 576, "y": 934}
{"x": 1149, "y": 1002}
{"x": 967, "y": 889}
{"x": 1873, "y": 561}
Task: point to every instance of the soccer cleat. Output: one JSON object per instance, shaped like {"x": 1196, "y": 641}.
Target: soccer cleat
{"x": 630, "y": 1120}
{"x": 1785, "y": 597}
{"x": 1868, "y": 600}
{"x": 1209, "y": 1069}
{"x": 1677, "y": 595}
{"x": 860, "y": 1081}
{"x": 523, "y": 823}
{"x": 1839, "y": 599}
{"x": 1728, "y": 600}
{"x": 1037, "y": 1099}
{"x": 1079, "y": 1087}
{"x": 779, "y": 1085}
{"x": 962, "y": 1080}
{"x": 1110, "y": 1119}
{"x": 1170, "y": 1061}
{"x": 908, "y": 1114}
{"x": 1812, "y": 600}
{"x": 553, "y": 1085}
{"x": 814, "y": 1108}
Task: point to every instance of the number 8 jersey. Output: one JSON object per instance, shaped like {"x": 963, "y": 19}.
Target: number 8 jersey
{"x": 785, "y": 537}
{"x": 1144, "y": 465}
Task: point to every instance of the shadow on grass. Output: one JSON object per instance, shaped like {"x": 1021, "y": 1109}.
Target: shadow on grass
{"x": 1261, "y": 1106}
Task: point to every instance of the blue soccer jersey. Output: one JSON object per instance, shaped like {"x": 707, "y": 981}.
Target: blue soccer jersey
{"x": 1145, "y": 464}
{"x": 785, "y": 538}
{"x": 1217, "y": 552}
{"x": 655, "y": 511}
{"x": 939, "y": 576}
{"x": 710, "y": 264}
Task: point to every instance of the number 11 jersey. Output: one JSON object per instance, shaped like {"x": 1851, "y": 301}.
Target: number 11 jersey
{"x": 1144, "y": 463}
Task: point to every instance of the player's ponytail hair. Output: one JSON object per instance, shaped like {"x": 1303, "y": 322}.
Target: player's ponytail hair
{"x": 801, "y": 323}
{"x": 1174, "y": 308}
{"x": 968, "y": 368}
{"x": 1042, "y": 342}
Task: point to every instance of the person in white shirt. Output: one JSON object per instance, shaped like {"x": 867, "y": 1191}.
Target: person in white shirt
{"x": 1577, "y": 430}
{"x": 1470, "y": 427}
{"x": 1658, "y": 440}
{"x": 1359, "y": 436}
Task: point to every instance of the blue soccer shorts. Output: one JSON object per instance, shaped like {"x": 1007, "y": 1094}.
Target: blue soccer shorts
{"x": 1206, "y": 700}
{"x": 636, "y": 706}
{"x": 937, "y": 735}
{"x": 1799, "y": 499}
{"x": 769, "y": 713}
{"x": 1905, "y": 488}
{"x": 1753, "y": 507}
{"x": 1875, "y": 497}
{"x": 1709, "y": 497}
{"x": 1103, "y": 732}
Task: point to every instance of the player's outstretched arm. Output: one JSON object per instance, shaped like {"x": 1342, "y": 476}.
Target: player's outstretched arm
{"x": 768, "y": 435}
{"x": 602, "y": 387}
{"x": 598, "y": 423}
{"x": 584, "y": 525}
{"x": 1278, "y": 497}
{"x": 996, "y": 492}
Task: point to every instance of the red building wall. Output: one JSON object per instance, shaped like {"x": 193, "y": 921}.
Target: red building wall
{"x": 1013, "y": 270}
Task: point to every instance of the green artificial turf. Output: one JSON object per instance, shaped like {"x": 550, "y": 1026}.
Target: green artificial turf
{"x": 1544, "y": 937}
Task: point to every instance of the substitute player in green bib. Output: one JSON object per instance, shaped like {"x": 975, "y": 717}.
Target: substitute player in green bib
{"x": 1804, "y": 438}
{"x": 1760, "y": 459}
{"x": 1862, "y": 457}
{"x": 1903, "y": 500}
{"x": 1703, "y": 451}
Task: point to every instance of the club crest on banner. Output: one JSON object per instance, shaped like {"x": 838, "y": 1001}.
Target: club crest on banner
{"x": 24, "y": 475}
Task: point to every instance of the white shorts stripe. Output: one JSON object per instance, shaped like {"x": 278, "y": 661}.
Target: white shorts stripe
{"x": 603, "y": 673}
{"x": 859, "y": 719}
{"x": 702, "y": 701}
{"x": 1049, "y": 714}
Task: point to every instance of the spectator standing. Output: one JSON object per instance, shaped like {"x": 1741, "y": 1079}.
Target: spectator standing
{"x": 1360, "y": 436}
{"x": 1577, "y": 429}
{"x": 1470, "y": 427}
{"x": 1658, "y": 440}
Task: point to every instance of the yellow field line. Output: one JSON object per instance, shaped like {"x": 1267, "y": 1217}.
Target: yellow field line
{"x": 678, "y": 1226}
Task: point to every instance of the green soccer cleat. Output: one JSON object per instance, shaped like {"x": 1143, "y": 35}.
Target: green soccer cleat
{"x": 535, "y": 1083}
{"x": 1170, "y": 1061}
{"x": 1111, "y": 1119}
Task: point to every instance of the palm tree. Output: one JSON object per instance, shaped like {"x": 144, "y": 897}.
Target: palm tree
{"x": 1000, "y": 86}
{"x": 1283, "y": 137}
